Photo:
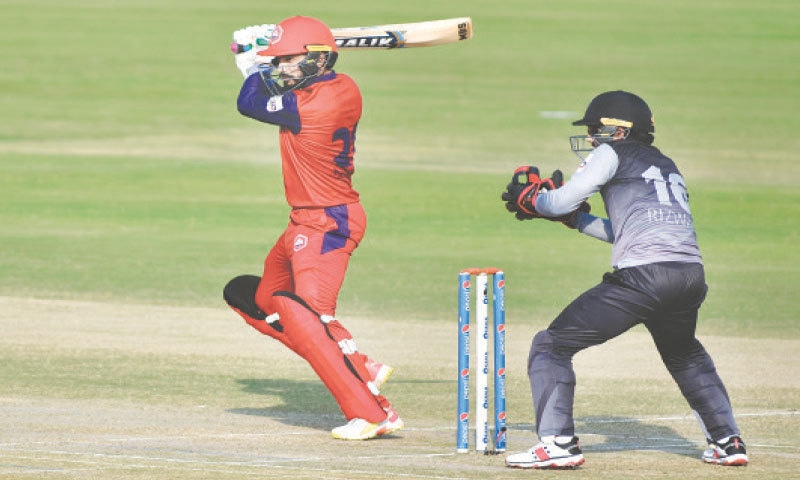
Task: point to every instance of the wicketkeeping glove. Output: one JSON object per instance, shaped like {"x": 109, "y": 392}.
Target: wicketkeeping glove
{"x": 520, "y": 194}
{"x": 555, "y": 181}
{"x": 247, "y": 42}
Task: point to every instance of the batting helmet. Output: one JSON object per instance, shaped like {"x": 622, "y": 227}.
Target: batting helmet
{"x": 297, "y": 35}
{"x": 619, "y": 109}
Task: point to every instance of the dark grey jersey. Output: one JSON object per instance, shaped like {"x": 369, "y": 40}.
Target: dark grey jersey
{"x": 645, "y": 197}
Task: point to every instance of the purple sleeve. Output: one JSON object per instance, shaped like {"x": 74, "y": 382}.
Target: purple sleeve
{"x": 255, "y": 102}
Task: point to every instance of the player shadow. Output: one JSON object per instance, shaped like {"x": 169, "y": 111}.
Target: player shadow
{"x": 623, "y": 434}
{"x": 295, "y": 403}
{"x": 620, "y": 434}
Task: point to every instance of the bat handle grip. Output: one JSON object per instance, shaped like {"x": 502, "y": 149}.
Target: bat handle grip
{"x": 238, "y": 48}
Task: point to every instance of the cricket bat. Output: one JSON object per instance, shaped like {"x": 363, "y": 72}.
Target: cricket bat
{"x": 404, "y": 35}
{"x": 399, "y": 35}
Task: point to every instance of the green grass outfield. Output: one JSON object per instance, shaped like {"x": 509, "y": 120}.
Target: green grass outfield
{"x": 131, "y": 191}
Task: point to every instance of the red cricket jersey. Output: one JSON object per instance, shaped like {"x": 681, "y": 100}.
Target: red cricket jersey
{"x": 317, "y": 136}
{"x": 318, "y": 160}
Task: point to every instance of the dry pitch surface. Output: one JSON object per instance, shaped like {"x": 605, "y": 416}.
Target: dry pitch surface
{"x": 82, "y": 436}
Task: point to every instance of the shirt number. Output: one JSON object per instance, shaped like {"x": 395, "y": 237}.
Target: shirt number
{"x": 674, "y": 183}
{"x": 344, "y": 158}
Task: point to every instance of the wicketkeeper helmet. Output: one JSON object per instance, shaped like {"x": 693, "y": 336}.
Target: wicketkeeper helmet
{"x": 619, "y": 109}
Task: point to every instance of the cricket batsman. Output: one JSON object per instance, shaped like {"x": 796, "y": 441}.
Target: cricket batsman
{"x": 290, "y": 83}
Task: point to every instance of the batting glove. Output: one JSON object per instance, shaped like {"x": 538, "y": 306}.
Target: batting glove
{"x": 247, "y": 42}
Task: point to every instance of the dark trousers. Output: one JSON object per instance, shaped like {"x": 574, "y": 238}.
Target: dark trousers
{"x": 665, "y": 298}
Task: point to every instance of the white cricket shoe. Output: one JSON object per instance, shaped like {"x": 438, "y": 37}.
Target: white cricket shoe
{"x": 548, "y": 454}
{"x": 360, "y": 429}
{"x": 730, "y": 452}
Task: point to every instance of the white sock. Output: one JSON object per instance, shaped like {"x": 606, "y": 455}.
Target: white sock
{"x": 557, "y": 439}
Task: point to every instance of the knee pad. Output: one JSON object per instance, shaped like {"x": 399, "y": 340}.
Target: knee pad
{"x": 240, "y": 295}
{"x": 300, "y": 322}
{"x": 339, "y": 335}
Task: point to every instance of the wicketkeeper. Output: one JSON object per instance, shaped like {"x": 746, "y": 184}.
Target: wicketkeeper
{"x": 290, "y": 83}
{"x": 657, "y": 279}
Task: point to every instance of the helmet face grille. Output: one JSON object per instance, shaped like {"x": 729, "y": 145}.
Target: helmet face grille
{"x": 309, "y": 67}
